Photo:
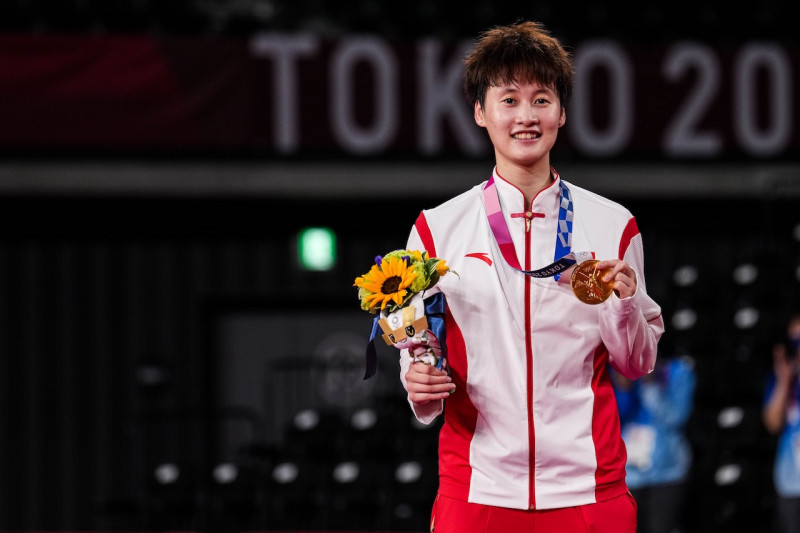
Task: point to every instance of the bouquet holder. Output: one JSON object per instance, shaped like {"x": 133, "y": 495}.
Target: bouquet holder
{"x": 417, "y": 327}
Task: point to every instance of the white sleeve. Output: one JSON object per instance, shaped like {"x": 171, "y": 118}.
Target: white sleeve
{"x": 631, "y": 327}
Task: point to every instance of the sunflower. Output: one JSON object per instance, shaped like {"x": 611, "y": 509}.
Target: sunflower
{"x": 386, "y": 284}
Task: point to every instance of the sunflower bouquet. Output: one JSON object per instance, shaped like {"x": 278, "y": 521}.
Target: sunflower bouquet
{"x": 393, "y": 289}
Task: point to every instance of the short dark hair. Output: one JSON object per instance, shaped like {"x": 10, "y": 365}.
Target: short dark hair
{"x": 523, "y": 51}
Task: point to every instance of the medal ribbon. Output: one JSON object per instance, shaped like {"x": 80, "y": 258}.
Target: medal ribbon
{"x": 563, "y": 258}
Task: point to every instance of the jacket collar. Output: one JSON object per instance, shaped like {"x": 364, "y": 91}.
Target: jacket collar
{"x": 512, "y": 199}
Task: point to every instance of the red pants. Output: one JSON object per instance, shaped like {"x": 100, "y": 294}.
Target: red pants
{"x": 617, "y": 515}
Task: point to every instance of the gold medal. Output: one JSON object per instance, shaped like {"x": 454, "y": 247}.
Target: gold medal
{"x": 588, "y": 285}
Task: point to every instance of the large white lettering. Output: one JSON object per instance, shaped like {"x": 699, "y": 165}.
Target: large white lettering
{"x": 774, "y": 137}
{"x": 284, "y": 50}
{"x": 381, "y": 60}
{"x": 366, "y": 120}
{"x": 682, "y": 136}
{"x": 612, "y": 139}
{"x": 440, "y": 97}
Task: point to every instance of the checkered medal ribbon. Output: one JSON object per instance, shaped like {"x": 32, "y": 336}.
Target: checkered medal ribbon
{"x": 563, "y": 257}
{"x": 565, "y": 216}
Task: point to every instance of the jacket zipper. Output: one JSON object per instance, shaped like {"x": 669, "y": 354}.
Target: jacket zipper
{"x": 529, "y": 358}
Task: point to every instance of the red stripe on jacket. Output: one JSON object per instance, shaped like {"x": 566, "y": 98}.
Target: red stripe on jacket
{"x": 609, "y": 447}
{"x": 630, "y": 231}
{"x": 460, "y": 421}
{"x": 425, "y": 234}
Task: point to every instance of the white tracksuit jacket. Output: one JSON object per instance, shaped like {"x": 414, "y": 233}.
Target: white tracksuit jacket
{"x": 533, "y": 422}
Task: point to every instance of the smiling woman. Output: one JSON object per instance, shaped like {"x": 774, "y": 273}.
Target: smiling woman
{"x": 520, "y": 99}
{"x": 522, "y": 120}
{"x": 516, "y": 328}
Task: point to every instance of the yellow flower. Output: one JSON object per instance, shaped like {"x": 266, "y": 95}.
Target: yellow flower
{"x": 387, "y": 283}
{"x": 442, "y": 268}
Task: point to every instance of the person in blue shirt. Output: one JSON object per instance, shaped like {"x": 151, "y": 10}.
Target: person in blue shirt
{"x": 781, "y": 415}
{"x": 653, "y": 413}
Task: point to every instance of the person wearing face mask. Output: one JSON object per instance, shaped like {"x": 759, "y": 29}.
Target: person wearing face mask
{"x": 550, "y": 294}
{"x": 781, "y": 415}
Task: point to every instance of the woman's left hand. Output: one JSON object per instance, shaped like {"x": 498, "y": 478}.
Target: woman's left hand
{"x": 623, "y": 276}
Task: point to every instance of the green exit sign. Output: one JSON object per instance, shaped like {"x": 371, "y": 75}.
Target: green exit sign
{"x": 316, "y": 249}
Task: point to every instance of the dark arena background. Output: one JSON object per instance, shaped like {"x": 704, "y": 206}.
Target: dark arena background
{"x": 172, "y": 357}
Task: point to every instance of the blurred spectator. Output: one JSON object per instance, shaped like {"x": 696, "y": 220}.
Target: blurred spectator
{"x": 782, "y": 418}
{"x": 653, "y": 413}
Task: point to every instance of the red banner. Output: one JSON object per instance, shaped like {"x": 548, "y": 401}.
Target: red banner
{"x": 302, "y": 95}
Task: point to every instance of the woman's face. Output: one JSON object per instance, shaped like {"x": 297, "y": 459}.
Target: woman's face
{"x": 522, "y": 120}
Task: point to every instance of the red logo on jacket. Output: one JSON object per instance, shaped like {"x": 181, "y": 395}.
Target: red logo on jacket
{"x": 483, "y": 256}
